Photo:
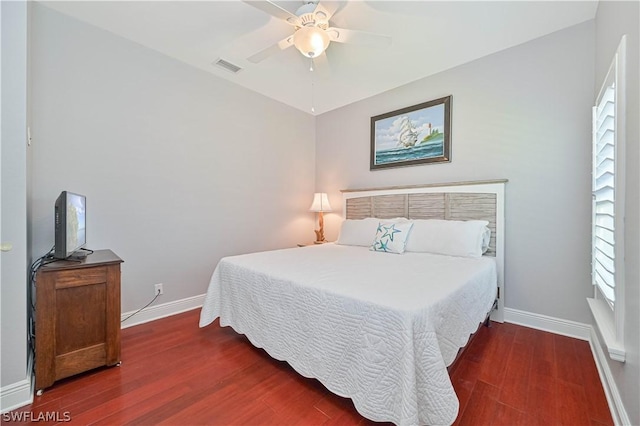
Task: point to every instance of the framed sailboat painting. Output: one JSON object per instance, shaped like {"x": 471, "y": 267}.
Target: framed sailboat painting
{"x": 417, "y": 134}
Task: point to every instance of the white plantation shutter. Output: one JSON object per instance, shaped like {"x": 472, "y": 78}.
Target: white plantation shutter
{"x": 608, "y": 209}
{"x": 604, "y": 178}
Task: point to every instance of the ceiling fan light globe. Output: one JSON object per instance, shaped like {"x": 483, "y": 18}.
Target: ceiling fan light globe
{"x": 311, "y": 41}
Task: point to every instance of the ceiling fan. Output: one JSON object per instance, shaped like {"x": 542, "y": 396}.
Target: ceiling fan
{"x": 312, "y": 33}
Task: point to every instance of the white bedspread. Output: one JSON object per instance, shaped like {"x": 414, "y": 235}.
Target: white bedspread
{"x": 378, "y": 328}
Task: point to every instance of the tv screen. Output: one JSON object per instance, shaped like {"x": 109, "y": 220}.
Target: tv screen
{"x": 70, "y": 224}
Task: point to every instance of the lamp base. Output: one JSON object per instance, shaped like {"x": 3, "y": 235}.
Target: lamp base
{"x": 319, "y": 236}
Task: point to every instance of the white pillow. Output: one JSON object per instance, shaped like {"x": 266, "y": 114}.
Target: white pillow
{"x": 486, "y": 239}
{"x": 450, "y": 237}
{"x": 358, "y": 232}
{"x": 391, "y": 237}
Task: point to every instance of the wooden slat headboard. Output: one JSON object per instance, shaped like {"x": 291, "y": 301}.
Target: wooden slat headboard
{"x": 480, "y": 200}
{"x": 443, "y": 205}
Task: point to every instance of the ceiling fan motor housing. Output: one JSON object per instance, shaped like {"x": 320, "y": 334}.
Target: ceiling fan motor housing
{"x": 310, "y": 17}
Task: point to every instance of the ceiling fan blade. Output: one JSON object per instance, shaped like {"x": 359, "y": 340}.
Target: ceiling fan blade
{"x": 275, "y": 10}
{"x": 322, "y": 14}
{"x": 271, "y": 50}
{"x": 342, "y": 35}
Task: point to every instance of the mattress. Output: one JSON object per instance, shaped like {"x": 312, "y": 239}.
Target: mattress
{"x": 375, "y": 327}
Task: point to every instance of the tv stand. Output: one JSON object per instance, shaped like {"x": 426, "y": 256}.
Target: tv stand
{"x": 77, "y": 316}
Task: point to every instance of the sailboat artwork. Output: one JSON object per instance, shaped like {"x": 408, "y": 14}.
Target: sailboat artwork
{"x": 413, "y": 135}
{"x": 408, "y": 135}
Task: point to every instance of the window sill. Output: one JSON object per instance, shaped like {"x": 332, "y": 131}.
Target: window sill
{"x": 605, "y": 323}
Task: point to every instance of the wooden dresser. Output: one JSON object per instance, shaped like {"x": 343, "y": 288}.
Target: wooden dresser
{"x": 77, "y": 315}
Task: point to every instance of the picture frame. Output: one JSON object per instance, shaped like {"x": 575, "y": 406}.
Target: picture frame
{"x": 419, "y": 134}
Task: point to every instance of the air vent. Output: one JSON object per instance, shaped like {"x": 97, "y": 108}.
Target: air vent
{"x": 227, "y": 66}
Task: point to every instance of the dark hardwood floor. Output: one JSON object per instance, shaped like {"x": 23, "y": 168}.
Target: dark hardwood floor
{"x": 175, "y": 373}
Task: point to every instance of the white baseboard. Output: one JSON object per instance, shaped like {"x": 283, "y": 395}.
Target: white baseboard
{"x": 18, "y": 394}
{"x": 545, "y": 323}
{"x": 618, "y": 412}
{"x": 153, "y": 313}
{"x": 15, "y": 395}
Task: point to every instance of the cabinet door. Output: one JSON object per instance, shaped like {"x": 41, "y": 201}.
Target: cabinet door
{"x": 80, "y": 320}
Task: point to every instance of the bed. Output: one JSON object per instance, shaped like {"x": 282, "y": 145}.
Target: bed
{"x": 377, "y": 327}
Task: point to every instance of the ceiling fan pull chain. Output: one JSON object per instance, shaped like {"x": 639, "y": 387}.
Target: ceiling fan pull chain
{"x": 313, "y": 109}
{"x": 312, "y": 98}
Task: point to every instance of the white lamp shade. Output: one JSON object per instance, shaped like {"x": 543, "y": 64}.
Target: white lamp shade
{"x": 311, "y": 41}
{"x": 320, "y": 203}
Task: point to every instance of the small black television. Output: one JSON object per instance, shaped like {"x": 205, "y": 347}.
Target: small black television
{"x": 70, "y": 224}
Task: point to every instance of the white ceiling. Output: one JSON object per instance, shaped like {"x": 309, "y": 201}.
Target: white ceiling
{"x": 428, "y": 37}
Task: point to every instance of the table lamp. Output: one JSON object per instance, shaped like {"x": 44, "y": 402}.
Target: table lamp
{"x": 320, "y": 205}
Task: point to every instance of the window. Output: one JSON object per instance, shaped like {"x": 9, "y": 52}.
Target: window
{"x": 608, "y": 206}
{"x": 604, "y": 185}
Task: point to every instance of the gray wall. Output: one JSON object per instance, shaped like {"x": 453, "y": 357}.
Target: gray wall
{"x": 14, "y": 197}
{"x": 614, "y": 19}
{"x": 523, "y": 114}
{"x": 179, "y": 167}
